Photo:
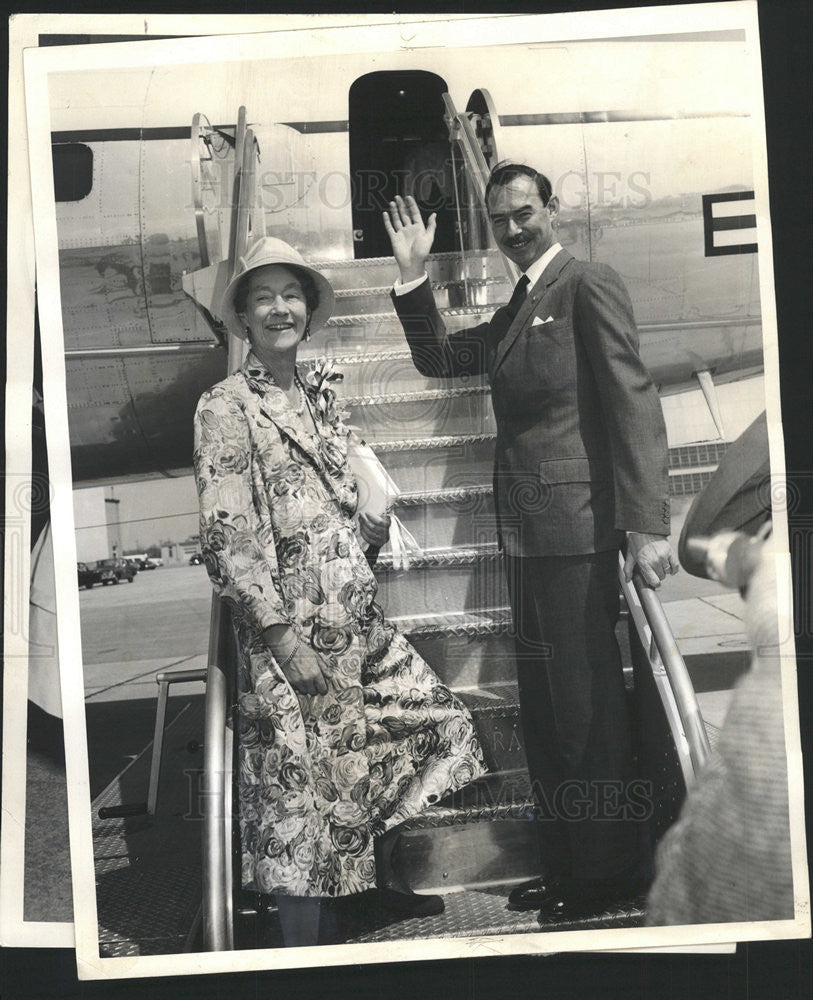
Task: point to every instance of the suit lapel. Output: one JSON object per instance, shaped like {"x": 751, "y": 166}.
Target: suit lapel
{"x": 528, "y": 307}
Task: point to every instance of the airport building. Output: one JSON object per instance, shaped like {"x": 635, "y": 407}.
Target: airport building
{"x": 96, "y": 519}
{"x": 179, "y": 553}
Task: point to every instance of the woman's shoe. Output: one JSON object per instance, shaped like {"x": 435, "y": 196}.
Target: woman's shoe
{"x": 409, "y": 904}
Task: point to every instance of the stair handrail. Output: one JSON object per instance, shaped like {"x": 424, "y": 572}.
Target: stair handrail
{"x": 216, "y": 902}
{"x": 217, "y": 895}
{"x": 217, "y": 888}
{"x": 474, "y": 163}
{"x": 667, "y": 663}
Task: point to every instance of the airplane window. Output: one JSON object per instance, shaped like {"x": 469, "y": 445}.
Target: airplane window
{"x": 73, "y": 171}
{"x": 160, "y": 279}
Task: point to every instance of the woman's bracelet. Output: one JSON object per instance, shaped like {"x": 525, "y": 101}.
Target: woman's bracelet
{"x": 282, "y": 664}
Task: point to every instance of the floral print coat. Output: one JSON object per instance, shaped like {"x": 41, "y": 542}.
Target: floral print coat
{"x": 319, "y": 776}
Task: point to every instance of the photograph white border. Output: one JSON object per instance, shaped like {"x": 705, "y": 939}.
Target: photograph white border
{"x": 24, "y": 32}
{"x": 38, "y": 65}
{"x": 15, "y": 931}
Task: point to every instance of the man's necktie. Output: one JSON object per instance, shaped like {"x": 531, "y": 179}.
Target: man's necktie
{"x": 518, "y": 297}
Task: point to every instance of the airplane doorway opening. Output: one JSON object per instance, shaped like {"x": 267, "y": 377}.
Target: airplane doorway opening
{"x": 399, "y": 144}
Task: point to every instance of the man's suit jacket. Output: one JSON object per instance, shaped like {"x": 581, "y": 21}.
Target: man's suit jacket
{"x": 581, "y": 450}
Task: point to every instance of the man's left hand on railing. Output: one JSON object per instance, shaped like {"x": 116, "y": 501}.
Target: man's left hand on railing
{"x": 653, "y": 556}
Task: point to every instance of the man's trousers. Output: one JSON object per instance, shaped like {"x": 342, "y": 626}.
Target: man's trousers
{"x": 574, "y": 713}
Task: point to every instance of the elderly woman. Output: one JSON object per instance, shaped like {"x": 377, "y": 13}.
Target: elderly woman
{"x": 345, "y": 732}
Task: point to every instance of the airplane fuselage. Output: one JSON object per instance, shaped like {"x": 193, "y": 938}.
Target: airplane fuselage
{"x": 639, "y": 188}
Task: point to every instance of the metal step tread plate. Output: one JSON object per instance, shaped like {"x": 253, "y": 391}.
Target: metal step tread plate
{"x": 480, "y": 912}
{"x": 418, "y": 396}
{"x": 498, "y": 795}
{"x": 420, "y": 444}
{"x": 148, "y": 871}
{"x": 455, "y": 494}
{"x": 680, "y": 459}
{"x": 681, "y": 483}
{"x": 437, "y": 286}
{"x": 439, "y": 558}
{"x": 483, "y": 912}
{"x": 500, "y": 699}
{"x": 389, "y": 316}
{"x": 463, "y": 624}
{"x": 361, "y": 263}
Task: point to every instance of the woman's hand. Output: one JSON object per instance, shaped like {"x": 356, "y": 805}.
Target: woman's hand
{"x": 304, "y": 671}
{"x": 411, "y": 239}
{"x": 375, "y": 530}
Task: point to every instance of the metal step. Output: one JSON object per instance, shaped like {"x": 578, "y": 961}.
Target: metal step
{"x": 483, "y": 835}
{"x": 451, "y": 292}
{"x": 397, "y": 409}
{"x": 449, "y": 517}
{"x": 436, "y": 463}
{"x": 501, "y": 847}
{"x": 387, "y": 371}
{"x": 365, "y": 333}
{"x": 378, "y": 373}
{"x": 482, "y": 911}
{"x": 464, "y": 515}
{"x": 508, "y": 787}
{"x": 442, "y": 580}
{"x": 476, "y": 912}
{"x": 382, "y": 272}
{"x": 424, "y": 413}
{"x": 685, "y": 458}
{"x": 471, "y": 659}
{"x": 472, "y": 650}
{"x": 494, "y": 709}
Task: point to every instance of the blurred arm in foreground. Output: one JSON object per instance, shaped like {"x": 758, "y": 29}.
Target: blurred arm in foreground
{"x": 728, "y": 856}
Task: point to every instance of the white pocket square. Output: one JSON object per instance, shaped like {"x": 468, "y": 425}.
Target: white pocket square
{"x": 538, "y": 321}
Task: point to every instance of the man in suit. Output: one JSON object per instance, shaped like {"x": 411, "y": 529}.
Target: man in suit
{"x": 580, "y": 472}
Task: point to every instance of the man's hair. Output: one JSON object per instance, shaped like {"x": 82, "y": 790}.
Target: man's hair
{"x": 304, "y": 279}
{"x": 505, "y": 172}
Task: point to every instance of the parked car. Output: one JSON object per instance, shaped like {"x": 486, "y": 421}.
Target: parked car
{"x": 132, "y": 561}
{"x": 151, "y": 562}
{"x": 113, "y": 570}
{"x": 87, "y": 574}
{"x": 195, "y": 559}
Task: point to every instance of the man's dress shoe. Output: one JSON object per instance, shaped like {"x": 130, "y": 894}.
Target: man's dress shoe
{"x": 580, "y": 899}
{"x": 532, "y": 894}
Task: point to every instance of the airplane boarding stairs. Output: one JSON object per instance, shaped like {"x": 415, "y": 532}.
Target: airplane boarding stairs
{"x": 436, "y": 438}
{"x": 452, "y": 605}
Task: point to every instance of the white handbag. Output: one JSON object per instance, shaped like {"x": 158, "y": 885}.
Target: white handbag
{"x": 378, "y": 494}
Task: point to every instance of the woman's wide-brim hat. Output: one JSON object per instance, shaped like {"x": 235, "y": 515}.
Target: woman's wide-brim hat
{"x": 269, "y": 250}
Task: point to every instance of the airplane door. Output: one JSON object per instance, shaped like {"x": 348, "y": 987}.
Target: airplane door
{"x": 399, "y": 144}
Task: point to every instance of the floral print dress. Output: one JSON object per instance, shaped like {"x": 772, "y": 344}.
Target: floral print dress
{"x": 319, "y": 776}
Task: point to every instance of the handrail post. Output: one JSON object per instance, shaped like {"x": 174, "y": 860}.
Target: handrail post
{"x": 164, "y": 679}
{"x": 218, "y": 932}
